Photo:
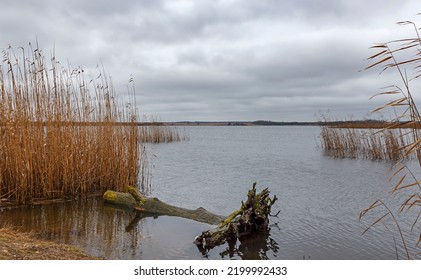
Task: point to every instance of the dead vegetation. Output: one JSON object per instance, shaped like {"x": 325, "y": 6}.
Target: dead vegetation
{"x": 401, "y": 140}
{"x": 48, "y": 145}
{"x": 15, "y": 245}
{"x": 375, "y": 144}
{"x": 64, "y": 134}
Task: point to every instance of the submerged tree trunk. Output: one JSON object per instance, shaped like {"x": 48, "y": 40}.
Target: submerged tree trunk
{"x": 155, "y": 207}
{"x": 251, "y": 219}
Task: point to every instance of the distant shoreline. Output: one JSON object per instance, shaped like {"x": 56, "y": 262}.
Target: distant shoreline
{"x": 355, "y": 124}
{"x": 238, "y": 123}
{"x": 343, "y": 124}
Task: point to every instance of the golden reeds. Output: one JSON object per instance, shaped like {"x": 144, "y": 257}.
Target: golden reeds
{"x": 153, "y": 131}
{"x": 58, "y": 132}
{"x": 376, "y": 144}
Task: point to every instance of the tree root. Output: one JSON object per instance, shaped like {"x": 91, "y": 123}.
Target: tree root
{"x": 251, "y": 219}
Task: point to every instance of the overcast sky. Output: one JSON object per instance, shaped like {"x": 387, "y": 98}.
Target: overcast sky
{"x": 281, "y": 60}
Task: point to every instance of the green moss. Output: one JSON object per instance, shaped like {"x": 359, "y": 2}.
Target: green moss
{"x": 109, "y": 195}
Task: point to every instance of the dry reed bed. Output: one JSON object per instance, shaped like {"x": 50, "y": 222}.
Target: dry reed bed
{"x": 161, "y": 134}
{"x": 45, "y": 152}
{"x": 153, "y": 131}
{"x": 376, "y": 144}
{"x": 376, "y": 125}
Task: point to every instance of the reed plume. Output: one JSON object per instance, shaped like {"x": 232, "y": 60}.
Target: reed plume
{"x": 404, "y": 57}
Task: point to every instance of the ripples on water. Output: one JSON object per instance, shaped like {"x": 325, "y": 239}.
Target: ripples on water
{"x": 320, "y": 199}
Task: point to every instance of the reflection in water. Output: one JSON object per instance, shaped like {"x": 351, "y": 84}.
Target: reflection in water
{"x": 320, "y": 201}
{"x": 137, "y": 218}
{"x": 252, "y": 248}
{"x": 85, "y": 223}
{"x": 115, "y": 233}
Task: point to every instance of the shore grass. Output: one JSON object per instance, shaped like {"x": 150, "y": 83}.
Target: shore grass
{"x": 48, "y": 145}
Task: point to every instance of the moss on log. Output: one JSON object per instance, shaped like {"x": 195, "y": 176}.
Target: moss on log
{"x": 120, "y": 199}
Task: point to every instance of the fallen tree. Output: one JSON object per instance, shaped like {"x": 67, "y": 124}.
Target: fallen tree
{"x": 134, "y": 200}
{"x": 252, "y": 218}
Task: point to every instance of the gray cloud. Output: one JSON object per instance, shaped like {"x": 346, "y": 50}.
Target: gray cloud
{"x": 221, "y": 60}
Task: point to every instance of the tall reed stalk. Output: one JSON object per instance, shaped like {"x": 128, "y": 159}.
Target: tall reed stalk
{"x": 58, "y": 132}
{"x": 404, "y": 57}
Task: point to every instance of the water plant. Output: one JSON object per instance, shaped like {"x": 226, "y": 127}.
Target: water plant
{"x": 60, "y": 131}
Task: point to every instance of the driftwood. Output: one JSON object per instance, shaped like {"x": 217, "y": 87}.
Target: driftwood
{"x": 134, "y": 200}
{"x": 251, "y": 219}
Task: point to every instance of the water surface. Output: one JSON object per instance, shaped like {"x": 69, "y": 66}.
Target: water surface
{"x": 320, "y": 199}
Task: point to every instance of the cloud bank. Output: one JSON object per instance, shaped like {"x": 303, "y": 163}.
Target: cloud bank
{"x": 221, "y": 60}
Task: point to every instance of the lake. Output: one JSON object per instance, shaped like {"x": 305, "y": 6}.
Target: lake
{"x": 320, "y": 199}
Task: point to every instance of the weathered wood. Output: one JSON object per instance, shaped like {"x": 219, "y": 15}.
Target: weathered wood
{"x": 135, "y": 192}
{"x": 156, "y": 207}
{"x": 251, "y": 219}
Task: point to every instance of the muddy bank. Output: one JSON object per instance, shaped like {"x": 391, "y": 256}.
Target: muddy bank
{"x": 15, "y": 245}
